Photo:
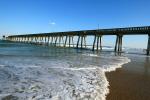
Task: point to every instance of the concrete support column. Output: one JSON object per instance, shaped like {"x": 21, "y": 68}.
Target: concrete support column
{"x": 94, "y": 43}
{"x": 45, "y": 40}
{"x": 78, "y": 41}
{"x": 35, "y": 40}
{"x": 60, "y": 40}
{"x": 48, "y": 40}
{"x": 72, "y": 41}
{"x": 24, "y": 39}
{"x": 97, "y": 43}
{"x": 118, "y": 45}
{"x": 41, "y": 40}
{"x": 65, "y": 41}
{"x": 148, "y": 45}
{"x": 81, "y": 42}
{"x": 27, "y": 40}
{"x": 100, "y": 42}
{"x": 31, "y": 41}
{"x": 56, "y": 40}
{"x": 52, "y": 40}
{"x": 69, "y": 40}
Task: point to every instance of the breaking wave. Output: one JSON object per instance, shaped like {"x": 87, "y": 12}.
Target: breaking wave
{"x": 41, "y": 79}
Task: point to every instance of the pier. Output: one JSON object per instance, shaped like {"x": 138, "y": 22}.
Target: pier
{"x": 66, "y": 39}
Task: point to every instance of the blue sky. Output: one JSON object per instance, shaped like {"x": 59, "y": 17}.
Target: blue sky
{"x": 35, "y": 16}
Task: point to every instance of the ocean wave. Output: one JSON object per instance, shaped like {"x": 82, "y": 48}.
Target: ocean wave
{"x": 71, "y": 78}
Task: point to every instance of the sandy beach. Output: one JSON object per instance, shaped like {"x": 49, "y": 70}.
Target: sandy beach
{"x": 132, "y": 81}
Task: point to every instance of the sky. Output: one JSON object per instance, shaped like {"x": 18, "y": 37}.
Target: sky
{"x": 39, "y": 16}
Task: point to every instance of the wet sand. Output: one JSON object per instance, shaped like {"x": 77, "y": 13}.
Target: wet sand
{"x": 132, "y": 81}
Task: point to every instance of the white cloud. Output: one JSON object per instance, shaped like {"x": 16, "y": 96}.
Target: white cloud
{"x": 52, "y": 23}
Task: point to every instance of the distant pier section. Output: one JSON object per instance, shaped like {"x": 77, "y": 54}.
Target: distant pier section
{"x": 66, "y": 39}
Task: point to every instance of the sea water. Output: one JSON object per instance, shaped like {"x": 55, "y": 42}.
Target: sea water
{"x": 36, "y": 72}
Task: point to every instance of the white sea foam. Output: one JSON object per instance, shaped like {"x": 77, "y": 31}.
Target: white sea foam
{"x": 77, "y": 78}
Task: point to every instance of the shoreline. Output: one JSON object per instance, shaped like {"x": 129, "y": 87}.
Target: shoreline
{"x": 131, "y": 81}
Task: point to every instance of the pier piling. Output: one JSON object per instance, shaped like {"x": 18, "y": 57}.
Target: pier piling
{"x": 94, "y": 43}
{"x": 118, "y": 45}
{"x": 148, "y": 45}
{"x": 78, "y": 41}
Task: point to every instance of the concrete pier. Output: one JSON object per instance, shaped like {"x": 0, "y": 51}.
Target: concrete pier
{"x": 66, "y": 39}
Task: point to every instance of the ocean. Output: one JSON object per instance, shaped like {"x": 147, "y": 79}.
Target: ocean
{"x": 38, "y": 72}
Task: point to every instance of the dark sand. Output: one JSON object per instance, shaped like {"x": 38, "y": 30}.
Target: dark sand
{"x": 132, "y": 81}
